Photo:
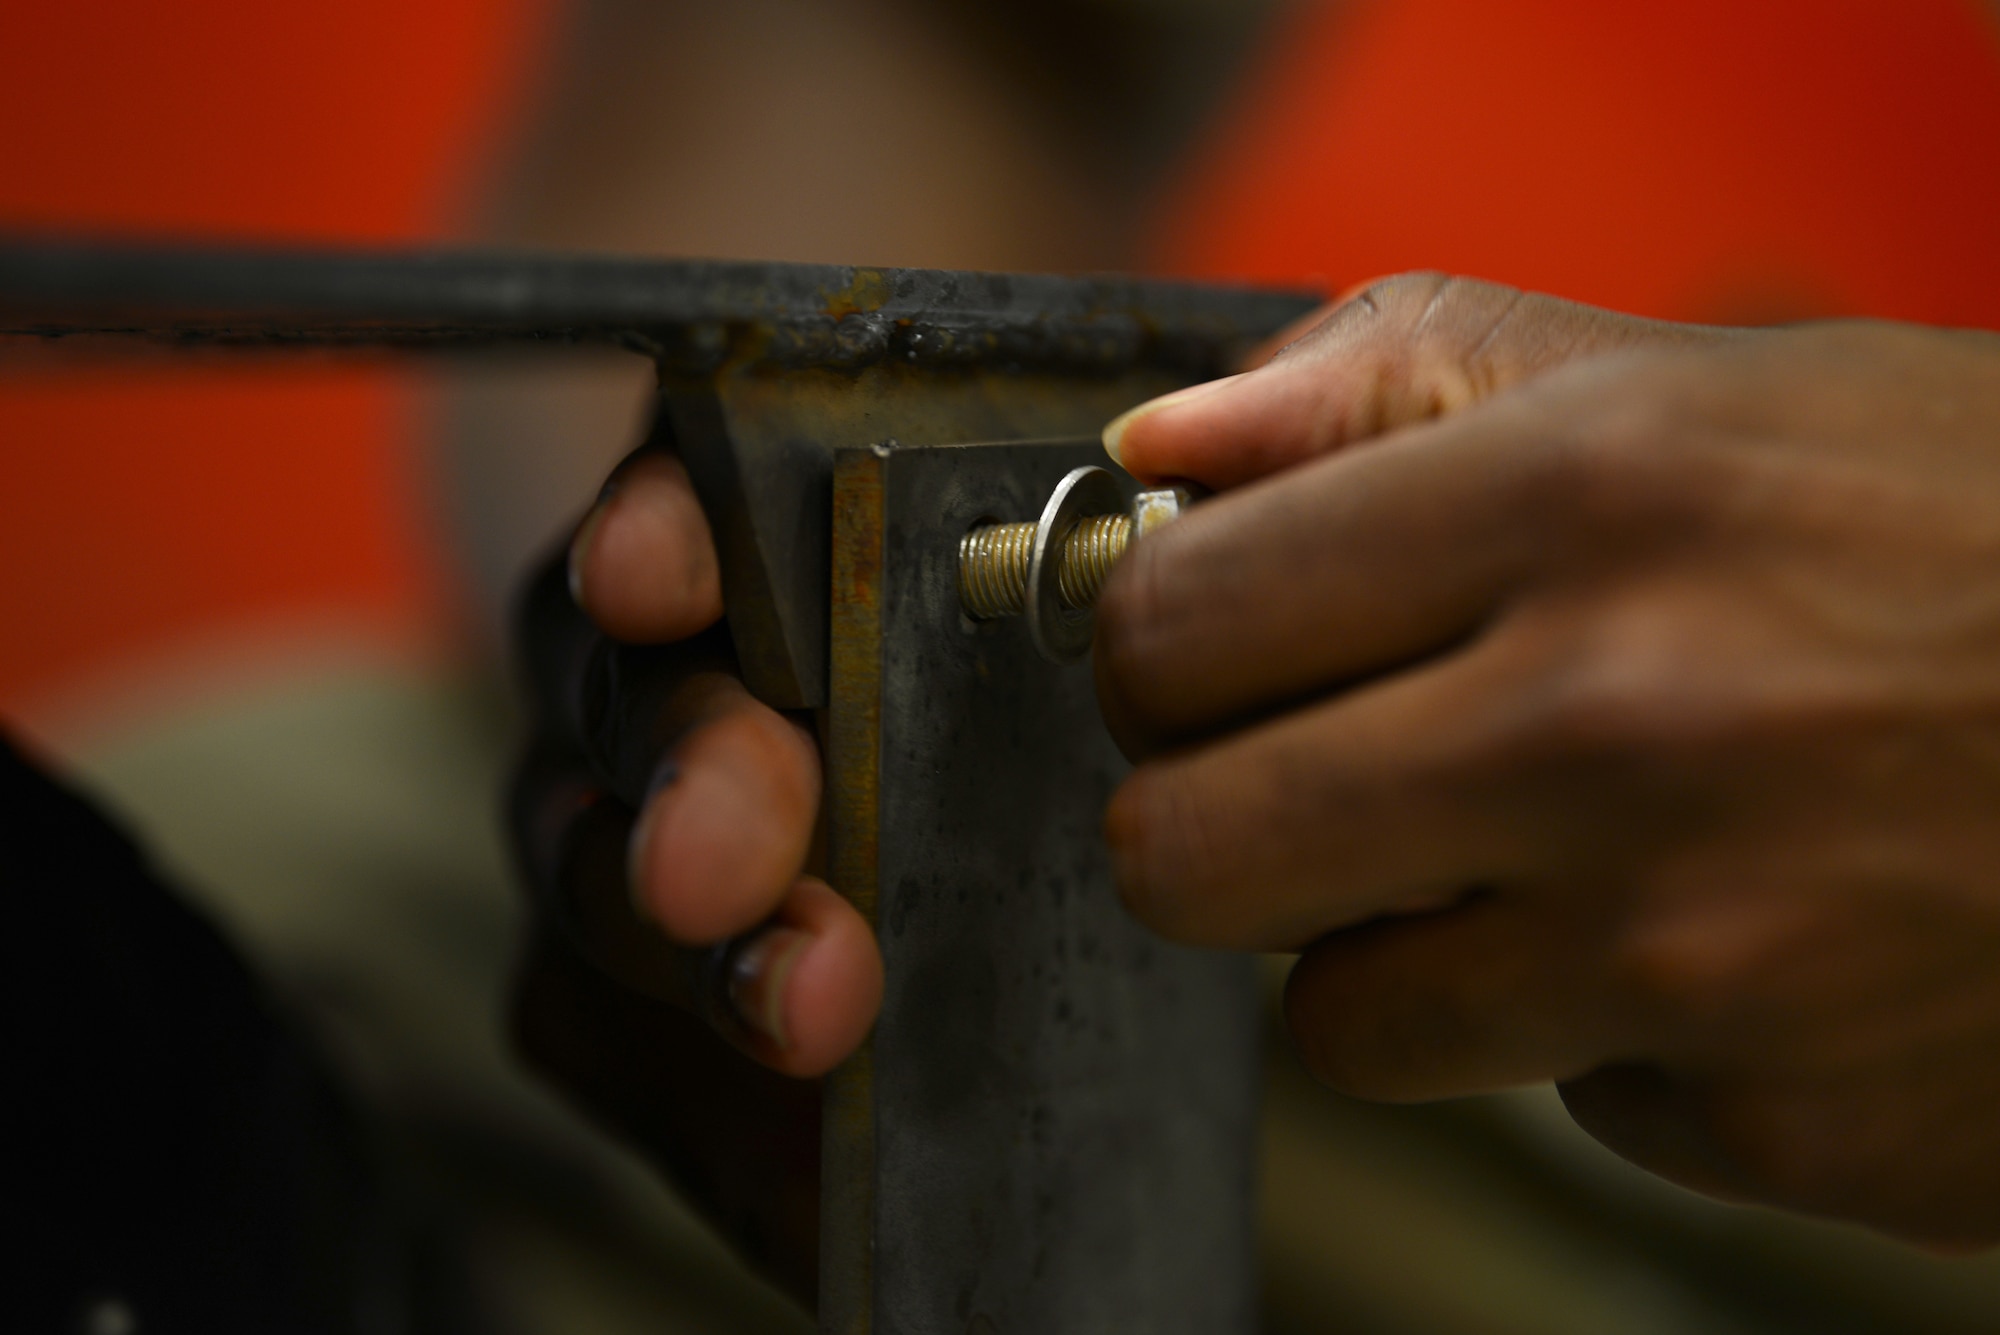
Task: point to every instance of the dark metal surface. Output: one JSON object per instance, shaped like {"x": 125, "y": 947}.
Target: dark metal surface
{"x": 1053, "y": 1129}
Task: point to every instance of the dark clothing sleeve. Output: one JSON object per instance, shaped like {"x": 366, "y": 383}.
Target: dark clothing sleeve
{"x": 176, "y": 1157}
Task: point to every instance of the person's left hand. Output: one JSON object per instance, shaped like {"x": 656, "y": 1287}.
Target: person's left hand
{"x": 1604, "y": 702}
{"x": 680, "y": 968}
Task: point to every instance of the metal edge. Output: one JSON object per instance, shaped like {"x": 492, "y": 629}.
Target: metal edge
{"x": 696, "y": 313}
{"x": 853, "y": 764}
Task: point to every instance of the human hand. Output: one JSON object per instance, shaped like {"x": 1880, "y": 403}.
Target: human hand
{"x": 726, "y": 789}
{"x": 680, "y": 965}
{"x": 1597, "y": 701}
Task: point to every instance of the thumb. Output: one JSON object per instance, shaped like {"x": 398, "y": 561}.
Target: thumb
{"x": 1403, "y": 350}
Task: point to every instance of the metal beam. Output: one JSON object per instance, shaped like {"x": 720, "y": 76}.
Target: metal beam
{"x": 1052, "y": 1129}
{"x": 765, "y": 369}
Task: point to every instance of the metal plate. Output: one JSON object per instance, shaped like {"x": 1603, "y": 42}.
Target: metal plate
{"x": 759, "y": 447}
{"x": 1052, "y": 1131}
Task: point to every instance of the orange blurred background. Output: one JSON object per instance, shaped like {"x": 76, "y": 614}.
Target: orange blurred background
{"x": 1699, "y": 160}
{"x": 148, "y": 509}
{"x": 1724, "y": 160}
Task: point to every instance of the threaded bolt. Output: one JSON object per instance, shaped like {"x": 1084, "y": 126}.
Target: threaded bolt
{"x": 993, "y": 569}
{"x": 1088, "y": 552}
{"x": 993, "y": 564}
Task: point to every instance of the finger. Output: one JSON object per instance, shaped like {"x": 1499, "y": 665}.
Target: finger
{"x": 1363, "y": 562}
{"x": 633, "y": 702}
{"x": 807, "y": 986}
{"x": 728, "y": 822}
{"x": 797, "y": 992}
{"x": 727, "y": 789}
{"x": 1836, "y": 1142}
{"x": 1405, "y": 350}
{"x": 1657, "y": 1120}
{"x": 1484, "y": 996}
{"x": 643, "y": 561}
{"x": 1265, "y": 351}
{"x": 1388, "y": 799}
{"x": 1387, "y": 555}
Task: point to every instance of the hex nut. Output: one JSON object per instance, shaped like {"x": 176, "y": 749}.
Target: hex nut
{"x": 1154, "y": 509}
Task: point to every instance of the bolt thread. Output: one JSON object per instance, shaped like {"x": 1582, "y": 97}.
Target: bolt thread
{"x": 1088, "y": 552}
{"x": 993, "y": 569}
{"x": 993, "y": 564}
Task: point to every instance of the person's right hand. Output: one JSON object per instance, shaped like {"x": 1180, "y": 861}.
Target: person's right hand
{"x": 1630, "y": 727}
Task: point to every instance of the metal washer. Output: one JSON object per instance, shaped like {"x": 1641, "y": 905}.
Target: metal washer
{"x": 1062, "y": 635}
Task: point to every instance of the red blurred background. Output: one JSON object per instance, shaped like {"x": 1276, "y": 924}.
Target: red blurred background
{"x": 1695, "y": 160}
{"x": 149, "y": 508}
{"x": 1703, "y": 159}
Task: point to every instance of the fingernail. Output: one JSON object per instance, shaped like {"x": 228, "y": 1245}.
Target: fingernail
{"x": 664, "y": 776}
{"x": 579, "y": 548}
{"x": 1114, "y": 434}
{"x": 757, "y": 979}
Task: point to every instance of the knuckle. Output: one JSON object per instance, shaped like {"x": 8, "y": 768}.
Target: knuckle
{"x": 1620, "y": 702}
{"x": 1405, "y": 295}
{"x": 1631, "y": 466}
{"x": 1680, "y": 976}
{"x": 1620, "y": 687}
{"x": 1459, "y": 355}
{"x": 768, "y": 746}
{"x": 1444, "y": 312}
{"x": 1646, "y": 671}
{"x": 1723, "y": 956}
{"x": 1371, "y": 312}
{"x": 1600, "y": 470}
{"x": 1723, "y": 970}
{"x": 1625, "y": 682}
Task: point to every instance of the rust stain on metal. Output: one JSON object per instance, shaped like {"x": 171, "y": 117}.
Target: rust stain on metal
{"x": 868, "y": 290}
{"x": 854, "y": 743}
{"x": 855, "y": 678}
